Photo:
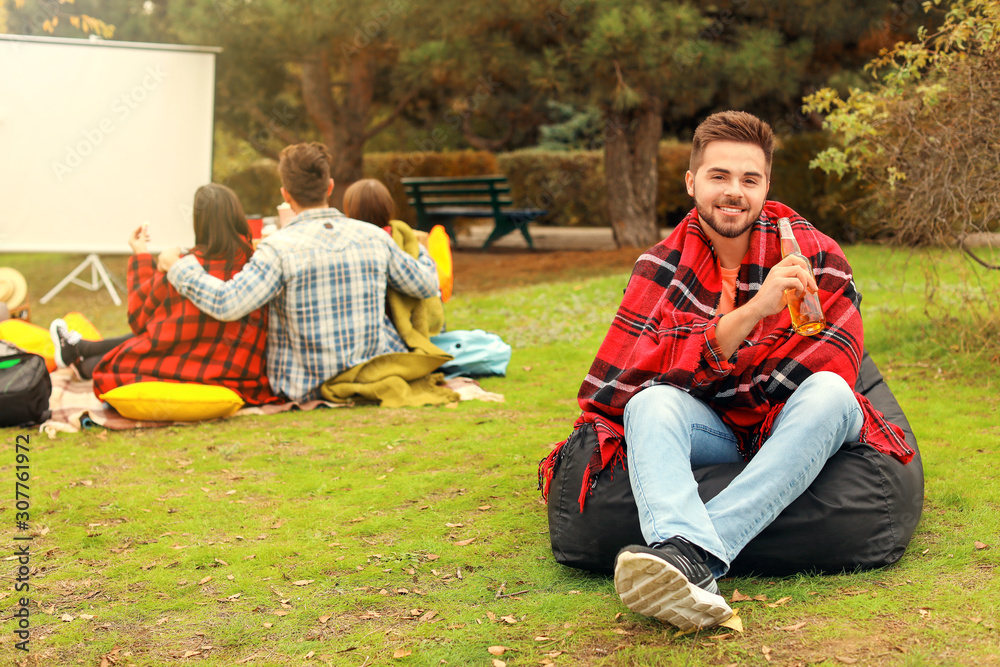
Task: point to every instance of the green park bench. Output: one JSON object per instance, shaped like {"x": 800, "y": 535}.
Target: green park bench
{"x": 444, "y": 199}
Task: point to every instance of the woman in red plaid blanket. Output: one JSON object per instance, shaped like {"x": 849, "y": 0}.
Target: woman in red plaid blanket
{"x": 702, "y": 366}
{"x": 171, "y": 339}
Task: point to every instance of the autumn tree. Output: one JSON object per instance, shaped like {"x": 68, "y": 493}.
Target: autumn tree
{"x": 647, "y": 63}
{"x": 337, "y": 72}
{"x": 924, "y": 136}
{"x": 60, "y": 18}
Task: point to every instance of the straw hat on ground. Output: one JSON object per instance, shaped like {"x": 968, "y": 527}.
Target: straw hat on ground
{"x": 13, "y": 287}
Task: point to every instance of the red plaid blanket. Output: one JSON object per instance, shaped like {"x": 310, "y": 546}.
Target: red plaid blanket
{"x": 664, "y": 333}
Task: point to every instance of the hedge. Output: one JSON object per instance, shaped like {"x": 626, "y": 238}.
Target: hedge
{"x": 570, "y": 184}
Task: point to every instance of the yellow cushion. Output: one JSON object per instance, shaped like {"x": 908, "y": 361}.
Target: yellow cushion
{"x": 30, "y": 338}
{"x": 77, "y": 322}
{"x": 33, "y": 338}
{"x": 173, "y": 401}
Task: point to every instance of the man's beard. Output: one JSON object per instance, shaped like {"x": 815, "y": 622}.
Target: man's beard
{"x": 725, "y": 229}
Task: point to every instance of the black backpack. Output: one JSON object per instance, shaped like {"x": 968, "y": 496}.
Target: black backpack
{"x": 25, "y": 387}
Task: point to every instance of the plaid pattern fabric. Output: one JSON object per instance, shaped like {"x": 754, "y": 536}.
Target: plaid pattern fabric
{"x": 325, "y": 277}
{"x": 176, "y": 342}
{"x": 664, "y": 333}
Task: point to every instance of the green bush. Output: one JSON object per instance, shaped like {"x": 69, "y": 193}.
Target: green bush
{"x": 570, "y": 184}
{"x": 567, "y": 184}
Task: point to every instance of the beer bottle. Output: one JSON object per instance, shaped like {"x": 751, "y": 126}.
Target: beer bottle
{"x": 806, "y": 310}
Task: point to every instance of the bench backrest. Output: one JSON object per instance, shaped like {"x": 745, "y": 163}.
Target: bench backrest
{"x": 473, "y": 191}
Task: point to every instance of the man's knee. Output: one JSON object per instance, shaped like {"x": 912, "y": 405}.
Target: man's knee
{"x": 830, "y": 386}
{"x": 655, "y": 400}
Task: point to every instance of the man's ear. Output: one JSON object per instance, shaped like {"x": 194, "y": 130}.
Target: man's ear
{"x": 689, "y": 182}
{"x": 287, "y": 197}
{"x": 329, "y": 188}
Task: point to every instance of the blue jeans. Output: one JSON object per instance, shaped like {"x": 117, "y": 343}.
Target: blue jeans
{"x": 668, "y": 432}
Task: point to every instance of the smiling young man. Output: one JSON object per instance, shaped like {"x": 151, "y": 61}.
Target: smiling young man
{"x": 701, "y": 366}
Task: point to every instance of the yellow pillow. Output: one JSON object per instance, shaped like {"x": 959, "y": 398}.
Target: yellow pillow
{"x": 33, "y": 338}
{"x": 30, "y": 338}
{"x": 173, "y": 401}
{"x": 77, "y": 322}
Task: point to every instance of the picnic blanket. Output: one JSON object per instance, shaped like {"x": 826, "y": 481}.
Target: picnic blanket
{"x": 74, "y": 406}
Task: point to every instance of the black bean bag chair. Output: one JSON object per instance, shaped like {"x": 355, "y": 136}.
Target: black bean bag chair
{"x": 859, "y": 513}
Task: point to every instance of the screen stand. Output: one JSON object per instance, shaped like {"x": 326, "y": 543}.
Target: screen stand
{"x": 98, "y": 276}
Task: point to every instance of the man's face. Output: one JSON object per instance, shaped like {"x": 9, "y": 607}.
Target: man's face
{"x": 729, "y": 188}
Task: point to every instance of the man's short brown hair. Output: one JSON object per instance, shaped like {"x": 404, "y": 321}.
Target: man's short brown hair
{"x": 305, "y": 172}
{"x": 738, "y": 126}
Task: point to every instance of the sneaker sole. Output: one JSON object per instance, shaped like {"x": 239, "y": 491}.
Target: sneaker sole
{"x": 653, "y": 587}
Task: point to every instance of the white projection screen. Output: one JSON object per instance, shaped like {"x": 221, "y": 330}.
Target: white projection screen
{"x": 97, "y": 137}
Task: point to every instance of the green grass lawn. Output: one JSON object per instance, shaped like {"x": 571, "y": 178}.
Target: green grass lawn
{"x": 372, "y": 536}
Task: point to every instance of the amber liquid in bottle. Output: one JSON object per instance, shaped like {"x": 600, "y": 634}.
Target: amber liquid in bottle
{"x": 806, "y": 310}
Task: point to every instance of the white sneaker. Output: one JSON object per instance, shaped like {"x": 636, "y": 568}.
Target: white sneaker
{"x": 671, "y": 583}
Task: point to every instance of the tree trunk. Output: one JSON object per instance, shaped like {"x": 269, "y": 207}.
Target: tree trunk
{"x": 631, "y": 151}
{"x": 343, "y": 123}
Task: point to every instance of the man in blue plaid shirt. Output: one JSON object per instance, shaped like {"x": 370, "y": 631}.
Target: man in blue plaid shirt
{"x": 325, "y": 277}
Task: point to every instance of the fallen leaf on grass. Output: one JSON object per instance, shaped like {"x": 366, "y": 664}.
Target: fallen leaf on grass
{"x": 309, "y": 655}
{"x": 455, "y": 525}
{"x": 766, "y": 651}
{"x": 427, "y": 616}
{"x": 204, "y": 581}
{"x": 65, "y": 618}
{"x": 280, "y": 613}
{"x": 734, "y": 622}
{"x": 846, "y": 660}
{"x": 508, "y": 619}
{"x": 499, "y": 663}
{"x": 779, "y": 603}
{"x": 401, "y": 653}
{"x": 981, "y": 545}
{"x": 483, "y": 508}
{"x": 793, "y": 628}
{"x": 188, "y": 654}
{"x": 739, "y": 597}
{"x": 726, "y": 635}
{"x": 465, "y": 543}
{"x": 324, "y": 619}
{"x": 303, "y": 582}
{"x": 543, "y": 639}
{"x": 490, "y": 615}
{"x": 497, "y": 650}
